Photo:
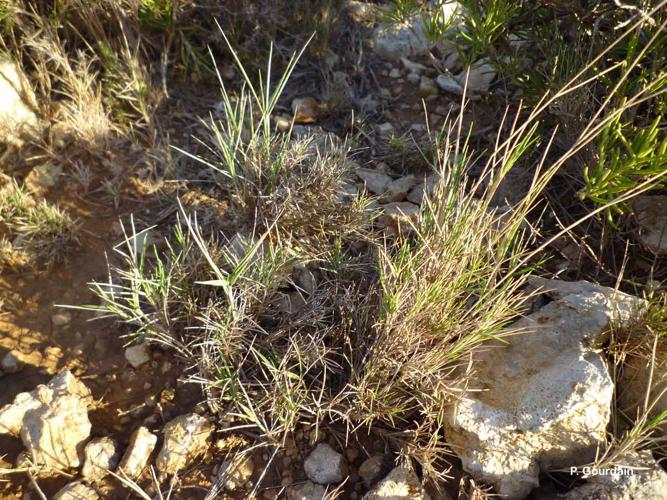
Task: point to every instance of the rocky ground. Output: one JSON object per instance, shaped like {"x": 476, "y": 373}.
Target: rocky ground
{"x": 83, "y": 414}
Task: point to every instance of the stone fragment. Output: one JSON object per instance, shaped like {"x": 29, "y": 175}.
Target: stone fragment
{"x": 325, "y": 465}
{"x": 399, "y": 215}
{"x": 306, "y": 491}
{"x": 185, "y": 439}
{"x": 401, "y": 483}
{"x": 376, "y": 182}
{"x": 547, "y": 392}
{"x": 139, "y": 449}
{"x": 398, "y": 189}
{"x": 100, "y": 456}
{"x": 449, "y": 84}
{"x": 479, "y": 77}
{"x": 76, "y": 491}
{"x": 138, "y": 354}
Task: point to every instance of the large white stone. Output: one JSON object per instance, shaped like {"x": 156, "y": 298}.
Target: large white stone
{"x": 185, "y": 438}
{"x": 545, "y": 396}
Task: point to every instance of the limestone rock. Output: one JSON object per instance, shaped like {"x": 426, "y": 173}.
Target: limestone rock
{"x": 479, "y": 77}
{"x": 14, "y": 97}
{"x": 139, "y": 449}
{"x": 547, "y": 393}
{"x": 325, "y": 465}
{"x": 399, "y": 215}
{"x": 55, "y": 433}
{"x": 376, "y": 182}
{"x": 401, "y": 483}
{"x": 76, "y": 491}
{"x": 185, "y": 438}
{"x": 651, "y": 215}
{"x": 100, "y": 456}
{"x": 637, "y": 477}
{"x": 398, "y": 189}
{"x": 408, "y": 39}
{"x": 306, "y": 491}
{"x": 52, "y": 421}
{"x": 449, "y": 84}
{"x": 237, "y": 471}
{"x": 138, "y": 354}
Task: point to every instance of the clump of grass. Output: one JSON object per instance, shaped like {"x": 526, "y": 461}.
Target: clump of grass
{"x": 39, "y": 229}
{"x": 291, "y": 186}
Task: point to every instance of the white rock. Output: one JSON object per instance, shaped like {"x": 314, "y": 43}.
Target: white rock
{"x": 76, "y": 491}
{"x": 547, "y": 393}
{"x": 14, "y": 95}
{"x": 399, "y": 215}
{"x": 408, "y": 39}
{"x": 55, "y": 433}
{"x": 325, "y": 465}
{"x": 479, "y": 77}
{"x": 306, "y": 491}
{"x": 398, "y": 40}
{"x": 52, "y": 420}
{"x": 651, "y": 215}
{"x": 139, "y": 449}
{"x": 398, "y": 189}
{"x": 639, "y": 477}
{"x": 236, "y": 472}
{"x": 61, "y": 318}
{"x": 401, "y": 483}
{"x": 449, "y": 84}
{"x": 185, "y": 439}
{"x": 371, "y": 469}
{"x": 11, "y": 362}
{"x": 138, "y": 354}
{"x": 100, "y": 456}
{"x": 376, "y": 182}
